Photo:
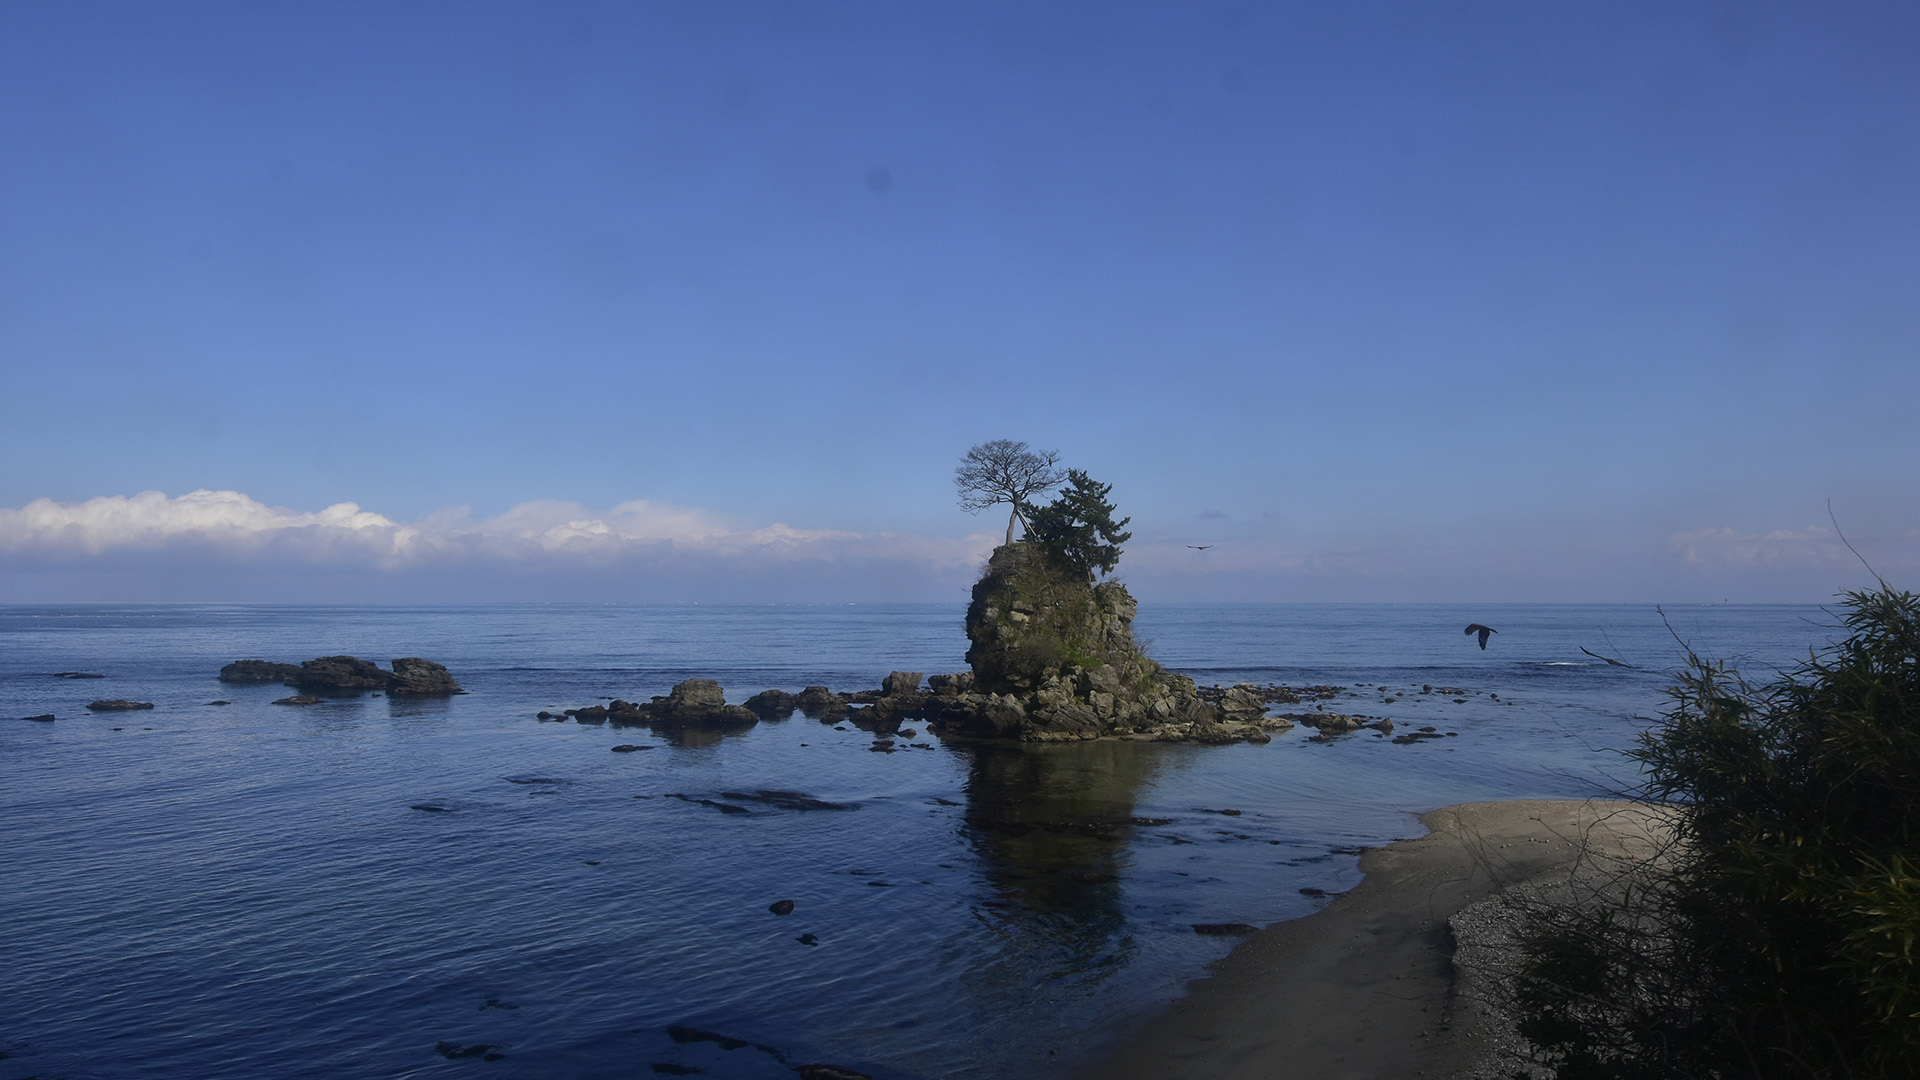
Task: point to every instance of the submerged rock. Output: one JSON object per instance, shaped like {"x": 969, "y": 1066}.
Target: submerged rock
{"x": 828, "y": 1072}
{"x": 43, "y": 718}
{"x": 301, "y": 699}
{"x": 117, "y": 705}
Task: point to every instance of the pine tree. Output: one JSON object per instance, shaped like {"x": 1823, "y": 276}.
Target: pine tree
{"x": 1077, "y": 529}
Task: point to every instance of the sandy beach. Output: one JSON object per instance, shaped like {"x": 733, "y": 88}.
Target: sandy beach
{"x": 1368, "y": 986}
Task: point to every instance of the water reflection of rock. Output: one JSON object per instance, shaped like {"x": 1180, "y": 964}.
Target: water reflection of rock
{"x": 1051, "y": 824}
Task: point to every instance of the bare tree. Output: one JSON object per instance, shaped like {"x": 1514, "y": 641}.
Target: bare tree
{"x": 1004, "y": 471}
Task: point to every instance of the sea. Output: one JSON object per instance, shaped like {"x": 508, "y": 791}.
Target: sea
{"x": 383, "y": 887}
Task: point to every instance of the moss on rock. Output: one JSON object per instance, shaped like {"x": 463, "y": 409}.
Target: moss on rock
{"x": 1053, "y": 658}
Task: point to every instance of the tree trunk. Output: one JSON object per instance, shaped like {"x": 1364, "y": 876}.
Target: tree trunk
{"x": 1011, "y": 518}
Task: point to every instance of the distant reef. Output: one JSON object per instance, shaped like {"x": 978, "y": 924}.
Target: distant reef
{"x": 340, "y": 675}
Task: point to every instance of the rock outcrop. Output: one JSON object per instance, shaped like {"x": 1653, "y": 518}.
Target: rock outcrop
{"x": 1054, "y": 658}
{"x": 338, "y": 675}
{"x": 821, "y": 703}
{"x": 771, "y": 704}
{"x": 414, "y": 677}
{"x": 341, "y": 676}
{"x": 692, "y": 705}
{"x": 118, "y": 705}
{"x": 258, "y": 671}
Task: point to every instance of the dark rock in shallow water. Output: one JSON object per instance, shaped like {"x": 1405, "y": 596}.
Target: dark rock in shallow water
{"x": 693, "y": 695}
{"x": 1225, "y": 929}
{"x": 117, "y": 705}
{"x": 1243, "y": 701}
{"x": 301, "y": 699}
{"x": 44, "y": 718}
{"x": 421, "y": 678}
{"x": 431, "y": 808}
{"x": 349, "y": 675}
{"x": 901, "y": 682}
{"x": 787, "y": 800}
{"x": 781, "y": 907}
{"x": 771, "y": 704}
{"x": 693, "y": 704}
{"x": 818, "y": 701}
{"x": 258, "y": 671}
{"x": 807, "y": 939}
{"x": 682, "y": 1034}
{"x": 338, "y": 675}
{"x": 453, "y": 1051}
{"x": 77, "y": 675}
{"x": 950, "y": 685}
{"x": 725, "y": 808}
{"x": 220, "y": 702}
{"x": 829, "y": 1072}
{"x": 628, "y": 748}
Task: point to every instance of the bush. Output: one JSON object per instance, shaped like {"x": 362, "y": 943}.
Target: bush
{"x": 1779, "y": 941}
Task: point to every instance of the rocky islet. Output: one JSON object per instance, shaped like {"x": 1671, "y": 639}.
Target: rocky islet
{"x": 338, "y": 676}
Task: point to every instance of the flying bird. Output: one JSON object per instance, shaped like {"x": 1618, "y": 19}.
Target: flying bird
{"x": 1199, "y": 547}
{"x": 1483, "y": 631}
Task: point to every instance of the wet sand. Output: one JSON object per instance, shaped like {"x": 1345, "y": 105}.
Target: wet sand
{"x": 1366, "y": 987}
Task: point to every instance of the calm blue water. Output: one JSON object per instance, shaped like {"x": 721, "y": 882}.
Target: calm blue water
{"x": 244, "y": 890}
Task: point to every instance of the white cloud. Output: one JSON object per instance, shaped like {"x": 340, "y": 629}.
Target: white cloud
{"x": 1811, "y": 548}
{"x": 534, "y": 535}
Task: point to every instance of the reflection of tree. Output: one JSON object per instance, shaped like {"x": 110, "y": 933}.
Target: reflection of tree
{"x": 1052, "y": 824}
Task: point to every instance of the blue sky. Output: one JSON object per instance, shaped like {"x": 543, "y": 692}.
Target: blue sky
{"x": 705, "y": 301}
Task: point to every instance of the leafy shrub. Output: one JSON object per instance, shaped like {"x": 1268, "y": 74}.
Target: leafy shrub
{"x": 1779, "y": 941}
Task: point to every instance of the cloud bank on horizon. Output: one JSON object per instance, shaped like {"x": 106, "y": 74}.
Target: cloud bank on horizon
{"x": 222, "y": 525}
{"x": 217, "y": 544}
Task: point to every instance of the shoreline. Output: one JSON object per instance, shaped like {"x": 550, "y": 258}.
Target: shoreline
{"x": 1367, "y": 986}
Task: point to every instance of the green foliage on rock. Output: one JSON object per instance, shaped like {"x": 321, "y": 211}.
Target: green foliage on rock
{"x": 1780, "y": 940}
{"x": 1054, "y": 654}
{"x": 1077, "y": 529}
